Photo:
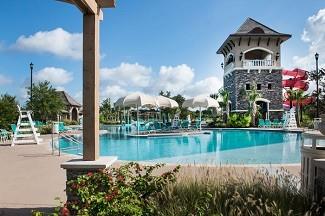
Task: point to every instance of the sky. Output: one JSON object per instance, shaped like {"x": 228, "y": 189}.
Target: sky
{"x": 146, "y": 45}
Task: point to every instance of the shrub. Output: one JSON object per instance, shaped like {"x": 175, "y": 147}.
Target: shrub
{"x": 239, "y": 120}
{"x": 127, "y": 190}
{"x": 70, "y": 122}
{"x": 232, "y": 195}
{"x": 45, "y": 129}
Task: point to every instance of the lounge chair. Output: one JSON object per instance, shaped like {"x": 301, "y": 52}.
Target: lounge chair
{"x": 261, "y": 123}
{"x": 13, "y": 127}
{"x": 4, "y": 135}
{"x": 63, "y": 128}
{"x": 268, "y": 123}
{"x": 185, "y": 124}
{"x": 276, "y": 123}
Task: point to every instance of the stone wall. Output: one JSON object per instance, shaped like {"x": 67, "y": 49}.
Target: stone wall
{"x": 238, "y": 79}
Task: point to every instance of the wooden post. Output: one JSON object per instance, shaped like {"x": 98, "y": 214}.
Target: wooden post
{"x": 91, "y": 86}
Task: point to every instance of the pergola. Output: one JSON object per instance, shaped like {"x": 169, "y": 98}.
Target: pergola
{"x": 92, "y": 14}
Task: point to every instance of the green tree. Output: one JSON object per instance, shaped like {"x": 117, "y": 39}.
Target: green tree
{"x": 251, "y": 96}
{"x": 105, "y": 109}
{"x": 297, "y": 95}
{"x": 321, "y": 78}
{"x": 183, "y": 111}
{"x": 46, "y": 103}
{"x": 8, "y": 111}
{"x": 165, "y": 94}
{"x": 224, "y": 94}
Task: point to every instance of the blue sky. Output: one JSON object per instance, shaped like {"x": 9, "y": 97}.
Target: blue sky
{"x": 146, "y": 45}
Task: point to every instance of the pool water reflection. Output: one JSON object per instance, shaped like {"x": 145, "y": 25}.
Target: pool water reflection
{"x": 220, "y": 146}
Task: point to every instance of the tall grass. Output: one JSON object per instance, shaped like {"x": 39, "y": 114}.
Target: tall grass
{"x": 230, "y": 192}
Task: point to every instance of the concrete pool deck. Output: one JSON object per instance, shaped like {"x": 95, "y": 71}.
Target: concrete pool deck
{"x": 31, "y": 177}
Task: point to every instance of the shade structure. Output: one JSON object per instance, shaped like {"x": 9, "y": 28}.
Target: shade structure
{"x": 166, "y": 102}
{"x": 136, "y": 100}
{"x": 201, "y": 102}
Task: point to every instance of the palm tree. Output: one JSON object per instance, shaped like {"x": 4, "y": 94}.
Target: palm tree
{"x": 298, "y": 96}
{"x": 251, "y": 96}
{"x": 224, "y": 93}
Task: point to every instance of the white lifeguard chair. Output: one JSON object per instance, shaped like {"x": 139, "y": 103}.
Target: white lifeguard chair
{"x": 290, "y": 120}
{"x": 25, "y": 132}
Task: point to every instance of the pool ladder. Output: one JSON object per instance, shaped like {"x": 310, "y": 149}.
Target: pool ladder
{"x": 76, "y": 144}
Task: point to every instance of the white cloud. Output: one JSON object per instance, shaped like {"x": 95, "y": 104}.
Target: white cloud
{"x": 57, "y": 42}
{"x": 174, "y": 79}
{"x": 56, "y": 76}
{"x": 206, "y": 86}
{"x": 113, "y": 91}
{"x": 314, "y": 35}
{"x": 60, "y": 88}
{"x": 126, "y": 74}
{"x": 4, "y": 80}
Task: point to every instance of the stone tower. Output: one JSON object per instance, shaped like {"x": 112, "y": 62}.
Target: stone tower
{"x": 252, "y": 56}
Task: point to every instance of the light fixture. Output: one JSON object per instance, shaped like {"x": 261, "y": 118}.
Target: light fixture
{"x": 222, "y": 65}
{"x": 277, "y": 56}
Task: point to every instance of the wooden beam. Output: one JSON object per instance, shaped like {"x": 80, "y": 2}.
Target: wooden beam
{"x": 229, "y": 46}
{"x": 258, "y": 41}
{"x": 239, "y": 41}
{"x": 231, "y": 41}
{"x": 268, "y": 41}
{"x": 85, "y": 6}
{"x": 277, "y": 41}
{"x": 225, "y": 51}
{"x": 106, "y": 3}
{"x": 249, "y": 41}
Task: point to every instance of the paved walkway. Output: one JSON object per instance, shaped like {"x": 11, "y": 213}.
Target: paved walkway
{"x": 30, "y": 178}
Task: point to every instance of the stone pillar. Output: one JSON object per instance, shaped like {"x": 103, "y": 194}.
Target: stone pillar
{"x": 77, "y": 167}
{"x": 91, "y": 86}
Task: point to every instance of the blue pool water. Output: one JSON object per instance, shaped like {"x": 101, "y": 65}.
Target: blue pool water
{"x": 220, "y": 146}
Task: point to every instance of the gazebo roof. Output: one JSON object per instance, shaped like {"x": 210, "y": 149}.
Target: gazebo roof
{"x": 68, "y": 100}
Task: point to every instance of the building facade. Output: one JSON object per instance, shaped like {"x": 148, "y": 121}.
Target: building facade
{"x": 252, "y": 56}
{"x": 72, "y": 108}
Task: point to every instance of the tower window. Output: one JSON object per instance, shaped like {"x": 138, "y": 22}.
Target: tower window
{"x": 248, "y": 86}
{"x": 269, "y": 86}
{"x": 259, "y": 86}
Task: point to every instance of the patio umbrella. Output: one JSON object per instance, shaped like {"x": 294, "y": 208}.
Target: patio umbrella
{"x": 136, "y": 100}
{"x": 201, "y": 102}
{"x": 166, "y": 102}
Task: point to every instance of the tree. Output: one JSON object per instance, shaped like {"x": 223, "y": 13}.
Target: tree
{"x": 165, "y": 94}
{"x": 251, "y": 96}
{"x": 105, "y": 109}
{"x": 8, "y": 111}
{"x": 224, "y": 94}
{"x": 180, "y": 100}
{"x": 46, "y": 103}
{"x": 321, "y": 79}
{"x": 297, "y": 95}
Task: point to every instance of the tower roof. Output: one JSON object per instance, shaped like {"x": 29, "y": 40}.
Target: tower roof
{"x": 253, "y": 28}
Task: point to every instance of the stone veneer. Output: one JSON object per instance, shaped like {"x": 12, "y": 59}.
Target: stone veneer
{"x": 237, "y": 80}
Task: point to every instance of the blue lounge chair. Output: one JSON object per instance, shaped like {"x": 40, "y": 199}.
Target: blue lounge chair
{"x": 185, "y": 124}
{"x": 261, "y": 123}
{"x": 268, "y": 123}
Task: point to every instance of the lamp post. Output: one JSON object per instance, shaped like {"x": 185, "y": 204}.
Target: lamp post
{"x": 317, "y": 90}
{"x": 31, "y": 66}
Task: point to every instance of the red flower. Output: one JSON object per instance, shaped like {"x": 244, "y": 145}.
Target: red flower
{"x": 64, "y": 211}
{"x": 90, "y": 174}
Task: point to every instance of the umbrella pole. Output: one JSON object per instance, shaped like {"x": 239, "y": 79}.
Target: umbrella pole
{"x": 138, "y": 120}
{"x": 200, "y": 116}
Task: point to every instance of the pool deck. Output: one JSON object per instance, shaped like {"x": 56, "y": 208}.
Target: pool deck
{"x": 31, "y": 177}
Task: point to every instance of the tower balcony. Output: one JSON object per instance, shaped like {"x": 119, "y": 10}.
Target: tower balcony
{"x": 257, "y": 63}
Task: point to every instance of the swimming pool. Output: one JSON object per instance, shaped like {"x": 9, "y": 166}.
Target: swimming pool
{"x": 220, "y": 146}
